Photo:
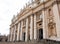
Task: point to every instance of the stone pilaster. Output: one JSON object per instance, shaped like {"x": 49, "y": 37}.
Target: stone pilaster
{"x": 31, "y": 28}
{"x": 26, "y": 37}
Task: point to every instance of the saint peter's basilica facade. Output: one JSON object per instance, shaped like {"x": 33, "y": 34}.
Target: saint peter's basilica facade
{"x": 40, "y": 19}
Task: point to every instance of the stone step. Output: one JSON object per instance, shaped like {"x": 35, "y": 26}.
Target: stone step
{"x": 19, "y": 43}
{"x": 34, "y": 42}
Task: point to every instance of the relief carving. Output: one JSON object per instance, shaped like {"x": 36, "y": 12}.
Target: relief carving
{"x": 51, "y": 25}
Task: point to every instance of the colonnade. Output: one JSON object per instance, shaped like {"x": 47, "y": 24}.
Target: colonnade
{"x": 16, "y": 32}
{"x": 19, "y": 34}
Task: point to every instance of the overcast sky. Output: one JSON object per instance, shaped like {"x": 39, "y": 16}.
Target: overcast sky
{"x": 8, "y": 8}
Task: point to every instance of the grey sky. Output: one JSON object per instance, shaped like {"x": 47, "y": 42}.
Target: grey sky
{"x": 8, "y": 8}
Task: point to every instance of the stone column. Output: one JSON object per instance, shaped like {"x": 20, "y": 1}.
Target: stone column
{"x": 18, "y": 32}
{"x": 21, "y": 33}
{"x": 14, "y": 39}
{"x": 8, "y": 38}
{"x": 44, "y": 24}
{"x": 57, "y": 19}
{"x": 26, "y": 38}
{"x": 31, "y": 28}
{"x": 11, "y": 34}
{"x": 44, "y": 35}
{"x": 35, "y": 28}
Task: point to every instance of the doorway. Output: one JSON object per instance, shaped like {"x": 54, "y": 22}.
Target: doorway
{"x": 24, "y": 36}
{"x": 40, "y": 34}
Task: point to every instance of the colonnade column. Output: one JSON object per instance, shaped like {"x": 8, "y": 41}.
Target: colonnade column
{"x": 21, "y": 33}
{"x": 8, "y": 37}
{"x": 18, "y": 35}
{"x": 26, "y": 37}
{"x": 10, "y": 34}
{"x": 31, "y": 28}
{"x": 14, "y": 33}
{"x": 35, "y": 28}
{"x": 11, "y": 30}
{"x": 44, "y": 32}
{"x": 45, "y": 24}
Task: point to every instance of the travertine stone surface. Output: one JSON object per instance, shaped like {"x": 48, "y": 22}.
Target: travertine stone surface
{"x": 39, "y": 20}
